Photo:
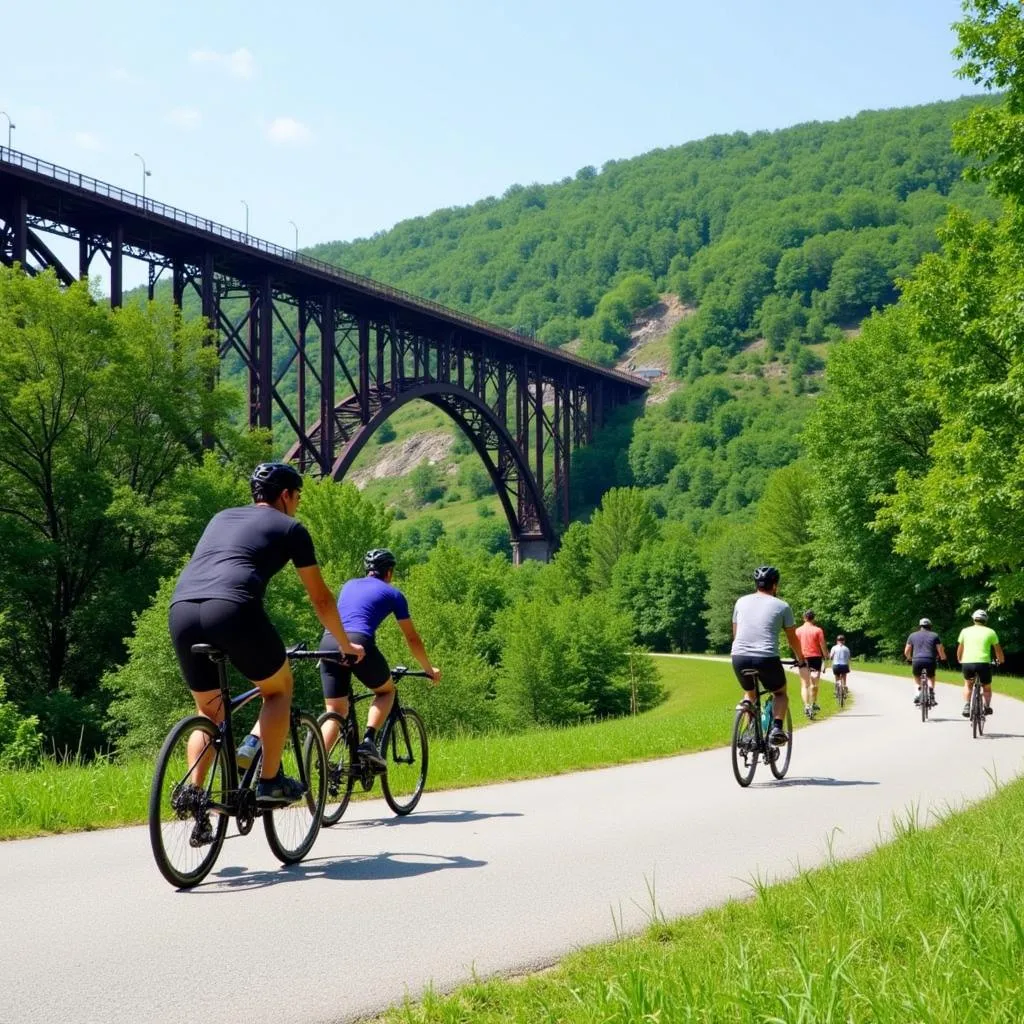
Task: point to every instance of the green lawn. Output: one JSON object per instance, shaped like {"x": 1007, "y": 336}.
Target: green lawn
{"x": 696, "y": 716}
{"x": 1012, "y": 686}
{"x": 926, "y": 930}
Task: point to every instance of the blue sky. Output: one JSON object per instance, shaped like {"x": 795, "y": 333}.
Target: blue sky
{"x": 348, "y": 117}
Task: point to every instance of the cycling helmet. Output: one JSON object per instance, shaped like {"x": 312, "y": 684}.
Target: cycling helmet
{"x": 378, "y": 561}
{"x": 765, "y": 576}
{"x": 979, "y": 615}
{"x": 269, "y": 479}
{"x": 925, "y": 623}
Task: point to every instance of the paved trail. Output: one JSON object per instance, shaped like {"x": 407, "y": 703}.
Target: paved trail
{"x": 495, "y": 879}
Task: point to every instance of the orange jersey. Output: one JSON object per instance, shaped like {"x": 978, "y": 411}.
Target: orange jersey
{"x": 812, "y": 641}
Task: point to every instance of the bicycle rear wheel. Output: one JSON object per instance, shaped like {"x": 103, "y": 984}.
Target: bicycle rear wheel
{"x": 977, "y": 712}
{"x": 840, "y": 692}
{"x": 925, "y": 691}
{"x": 744, "y": 746}
{"x": 188, "y": 821}
{"x": 779, "y": 757}
{"x": 404, "y": 746}
{"x": 291, "y": 831}
{"x": 340, "y": 758}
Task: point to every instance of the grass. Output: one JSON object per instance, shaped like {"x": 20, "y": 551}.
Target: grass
{"x": 1012, "y": 686}
{"x": 926, "y": 930}
{"x": 696, "y": 716}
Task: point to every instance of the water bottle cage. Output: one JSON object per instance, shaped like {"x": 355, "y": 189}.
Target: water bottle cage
{"x": 766, "y": 714}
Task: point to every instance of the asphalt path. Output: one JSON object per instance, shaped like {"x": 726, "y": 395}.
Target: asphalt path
{"x": 496, "y": 879}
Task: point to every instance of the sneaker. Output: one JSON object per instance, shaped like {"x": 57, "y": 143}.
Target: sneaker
{"x": 917, "y": 697}
{"x": 202, "y": 832}
{"x": 368, "y": 752}
{"x": 815, "y": 708}
{"x": 807, "y": 710}
{"x": 279, "y": 791}
{"x": 967, "y": 710}
{"x": 744, "y": 705}
{"x": 777, "y": 737}
{"x": 988, "y": 710}
{"x": 932, "y": 699}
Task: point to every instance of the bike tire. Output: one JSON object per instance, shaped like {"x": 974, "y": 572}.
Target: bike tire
{"x": 779, "y": 764}
{"x": 340, "y": 760}
{"x": 745, "y": 746}
{"x": 925, "y": 697}
{"x": 977, "y": 713}
{"x": 406, "y": 751}
{"x": 292, "y": 830}
{"x": 175, "y": 815}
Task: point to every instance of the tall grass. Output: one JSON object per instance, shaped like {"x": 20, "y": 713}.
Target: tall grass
{"x": 926, "y": 930}
{"x": 696, "y": 716}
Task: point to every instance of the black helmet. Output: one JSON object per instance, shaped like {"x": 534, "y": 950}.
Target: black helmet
{"x": 378, "y": 561}
{"x": 765, "y": 576}
{"x": 269, "y": 479}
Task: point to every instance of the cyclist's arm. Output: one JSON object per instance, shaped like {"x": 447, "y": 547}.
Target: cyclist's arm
{"x": 960, "y": 653}
{"x": 1000, "y": 657}
{"x": 823, "y": 644}
{"x": 326, "y": 610}
{"x": 941, "y": 650}
{"x": 412, "y": 638}
{"x": 908, "y": 651}
{"x": 794, "y": 645}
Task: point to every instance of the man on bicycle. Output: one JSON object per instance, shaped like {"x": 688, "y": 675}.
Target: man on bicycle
{"x": 922, "y": 650}
{"x": 974, "y": 647}
{"x": 219, "y": 601}
{"x": 815, "y": 650}
{"x": 363, "y": 604}
{"x": 756, "y": 620}
{"x": 840, "y": 658}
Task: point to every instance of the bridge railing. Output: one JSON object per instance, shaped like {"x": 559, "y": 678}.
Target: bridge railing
{"x": 151, "y": 206}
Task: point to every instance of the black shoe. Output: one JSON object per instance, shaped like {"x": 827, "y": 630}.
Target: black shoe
{"x": 279, "y": 791}
{"x": 777, "y": 737}
{"x": 932, "y": 701}
{"x": 815, "y": 708}
{"x": 988, "y": 710}
{"x": 917, "y": 698}
{"x": 202, "y": 833}
{"x": 368, "y": 751}
{"x": 967, "y": 710}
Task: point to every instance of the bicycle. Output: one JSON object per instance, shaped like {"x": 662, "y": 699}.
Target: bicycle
{"x": 840, "y": 685}
{"x": 925, "y": 690}
{"x": 977, "y": 703}
{"x": 750, "y": 729}
{"x": 185, "y": 841}
{"x": 403, "y": 744}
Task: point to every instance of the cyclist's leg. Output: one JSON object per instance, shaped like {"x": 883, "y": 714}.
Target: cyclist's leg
{"x": 374, "y": 674}
{"x": 773, "y": 678}
{"x": 336, "y": 680}
{"x": 739, "y": 663}
{"x": 276, "y": 691}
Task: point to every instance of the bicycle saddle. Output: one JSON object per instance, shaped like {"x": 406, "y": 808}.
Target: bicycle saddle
{"x": 207, "y": 649}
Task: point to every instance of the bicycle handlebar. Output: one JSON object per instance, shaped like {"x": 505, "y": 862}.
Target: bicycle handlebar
{"x": 299, "y": 653}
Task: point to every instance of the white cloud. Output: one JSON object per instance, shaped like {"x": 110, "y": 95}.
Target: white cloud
{"x": 87, "y": 140}
{"x": 287, "y": 129}
{"x": 185, "y": 117}
{"x": 239, "y": 63}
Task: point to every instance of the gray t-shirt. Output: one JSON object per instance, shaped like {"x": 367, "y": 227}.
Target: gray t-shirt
{"x": 924, "y": 645}
{"x": 840, "y": 655}
{"x": 758, "y": 619}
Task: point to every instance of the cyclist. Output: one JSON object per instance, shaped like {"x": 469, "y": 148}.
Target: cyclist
{"x": 219, "y": 600}
{"x": 815, "y": 650}
{"x": 974, "y": 647}
{"x": 922, "y": 650}
{"x": 363, "y": 604}
{"x": 756, "y": 620}
{"x": 840, "y": 658}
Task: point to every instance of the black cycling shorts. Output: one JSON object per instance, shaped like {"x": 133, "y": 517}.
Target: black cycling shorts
{"x": 979, "y": 668}
{"x": 372, "y": 671}
{"x": 814, "y": 664}
{"x": 925, "y": 665}
{"x": 840, "y": 670}
{"x": 773, "y": 676}
{"x": 242, "y": 631}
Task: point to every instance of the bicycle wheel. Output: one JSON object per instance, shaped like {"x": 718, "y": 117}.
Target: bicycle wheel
{"x": 404, "y": 746}
{"x": 340, "y": 758}
{"x": 744, "y": 746}
{"x": 188, "y": 821}
{"x": 840, "y": 692}
{"x": 291, "y": 831}
{"x": 779, "y": 760}
{"x": 977, "y": 712}
{"x": 925, "y": 696}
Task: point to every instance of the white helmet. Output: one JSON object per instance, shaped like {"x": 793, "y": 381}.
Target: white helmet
{"x": 979, "y": 615}
{"x": 926, "y": 623}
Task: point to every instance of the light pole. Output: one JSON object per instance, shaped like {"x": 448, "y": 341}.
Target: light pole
{"x": 10, "y": 127}
{"x": 246, "y": 205}
{"x": 145, "y": 175}
{"x": 296, "y": 226}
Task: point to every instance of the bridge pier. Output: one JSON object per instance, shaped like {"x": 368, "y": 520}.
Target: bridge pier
{"x": 531, "y": 549}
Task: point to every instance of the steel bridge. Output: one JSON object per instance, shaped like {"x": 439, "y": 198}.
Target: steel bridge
{"x": 329, "y": 354}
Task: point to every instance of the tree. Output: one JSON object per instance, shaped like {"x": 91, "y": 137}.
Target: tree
{"x": 426, "y": 483}
{"x": 622, "y": 525}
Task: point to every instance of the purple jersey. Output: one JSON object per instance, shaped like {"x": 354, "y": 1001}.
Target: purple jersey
{"x": 365, "y": 603}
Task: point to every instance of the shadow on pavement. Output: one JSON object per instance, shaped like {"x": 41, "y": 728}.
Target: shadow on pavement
{"x": 435, "y": 817}
{"x": 815, "y": 780}
{"x": 1003, "y": 736}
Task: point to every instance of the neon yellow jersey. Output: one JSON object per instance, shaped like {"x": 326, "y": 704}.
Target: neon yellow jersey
{"x": 978, "y": 642}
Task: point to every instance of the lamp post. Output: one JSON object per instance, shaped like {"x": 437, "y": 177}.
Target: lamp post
{"x": 145, "y": 175}
{"x": 10, "y": 127}
{"x": 246, "y": 205}
{"x": 294, "y": 225}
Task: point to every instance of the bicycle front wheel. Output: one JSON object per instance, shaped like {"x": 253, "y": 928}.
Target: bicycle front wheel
{"x": 780, "y": 757}
{"x": 188, "y": 814}
{"x": 341, "y": 756}
{"x": 404, "y": 746}
{"x": 977, "y": 713}
{"x": 291, "y": 831}
{"x": 744, "y": 747}
{"x": 925, "y": 692}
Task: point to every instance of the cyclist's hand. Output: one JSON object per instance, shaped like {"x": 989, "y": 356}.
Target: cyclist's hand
{"x": 435, "y": 674}
{"x": 354, "y": 652}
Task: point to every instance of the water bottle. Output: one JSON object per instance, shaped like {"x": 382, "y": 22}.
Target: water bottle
{"x": 767, "y": 713}
{"x": 246, "y": 753}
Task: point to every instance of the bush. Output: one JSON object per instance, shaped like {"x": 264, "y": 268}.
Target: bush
{"x": 21, "y": 742}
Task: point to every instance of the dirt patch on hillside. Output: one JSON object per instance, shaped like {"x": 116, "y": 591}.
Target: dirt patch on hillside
{"x": 401, "y": 459}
